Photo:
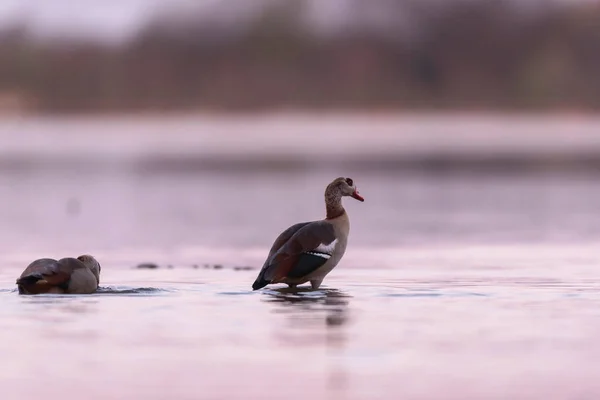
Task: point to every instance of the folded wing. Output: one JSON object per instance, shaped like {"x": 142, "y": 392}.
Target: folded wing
{"x": 297, "y": 252}
{"x": 46, "y": 274}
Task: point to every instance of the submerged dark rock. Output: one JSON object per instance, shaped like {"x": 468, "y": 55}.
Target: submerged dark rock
{"x": 150, "y": 265}
{"x": 147, "y": 266}
{"x": 243, "y": 268}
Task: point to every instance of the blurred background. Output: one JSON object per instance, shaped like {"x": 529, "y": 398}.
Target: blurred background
{"x": 175, "y": 123}
{"x": 248, "y": 55}
{"x": 190, "y": 133}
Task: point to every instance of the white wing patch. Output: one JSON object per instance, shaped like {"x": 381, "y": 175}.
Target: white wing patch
{"x": 322, "y": 255}
{"x": 327, "y": 249}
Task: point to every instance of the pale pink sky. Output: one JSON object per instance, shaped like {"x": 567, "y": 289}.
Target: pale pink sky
{"x": 117, "y": 19}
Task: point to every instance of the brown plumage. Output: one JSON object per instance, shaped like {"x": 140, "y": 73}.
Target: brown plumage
{"x": 308, "y": 251}
{"x": 79, "y": 275}
{"x": 304, "y": 240}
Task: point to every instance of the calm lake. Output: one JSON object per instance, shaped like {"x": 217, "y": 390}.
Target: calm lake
{"x": 458, "y": 283}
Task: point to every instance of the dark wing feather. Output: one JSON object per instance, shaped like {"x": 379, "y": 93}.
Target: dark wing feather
{"x": 279, "y": 242}
{"x": 292, "y": 257}
{"x": 284, "y": 237}
{"x": 306, "y": 263}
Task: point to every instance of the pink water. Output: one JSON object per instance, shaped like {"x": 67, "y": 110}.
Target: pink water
{"x": 454, "y": 330}
{"x": 454, "y": 286}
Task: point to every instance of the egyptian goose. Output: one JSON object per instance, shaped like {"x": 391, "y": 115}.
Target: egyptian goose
{"x": 308, "y": 251}
{"x": 79, "y": 275}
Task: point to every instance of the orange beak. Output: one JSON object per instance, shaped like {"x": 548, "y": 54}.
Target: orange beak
{"x": 357, "y": 196}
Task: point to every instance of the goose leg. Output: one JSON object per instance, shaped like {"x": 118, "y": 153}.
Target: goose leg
{"x": 315, "y": 283}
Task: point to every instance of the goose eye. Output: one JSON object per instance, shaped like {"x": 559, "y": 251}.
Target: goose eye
{"x": 349, "y": 182}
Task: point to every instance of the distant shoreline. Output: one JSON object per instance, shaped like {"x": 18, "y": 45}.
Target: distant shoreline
{"x": 520, "y": 165}
{"x": 412, "y": 142}
{"x": 10, "y": 112}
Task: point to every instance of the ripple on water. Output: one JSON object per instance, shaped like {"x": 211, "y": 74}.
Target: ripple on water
{"x": 240, "y": 293}
{"x": 307, "y": 296}
{"x": 125, "y": 290}
{"x": 305, "y": 305}
{"x": 107, "y": 290}
{"x": 433, "y": 293}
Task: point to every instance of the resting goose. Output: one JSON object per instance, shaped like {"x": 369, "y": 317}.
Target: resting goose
{"x": 79, "y": 275}
{"x": 308, "y": 251}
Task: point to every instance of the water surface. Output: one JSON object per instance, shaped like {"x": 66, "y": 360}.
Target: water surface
{"x": 454, "y": 285}
{"x": 201, "y": 333}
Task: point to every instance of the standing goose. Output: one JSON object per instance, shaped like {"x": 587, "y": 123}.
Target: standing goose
{"x": 79, "y": 275}
{"x": 308, "y": 251}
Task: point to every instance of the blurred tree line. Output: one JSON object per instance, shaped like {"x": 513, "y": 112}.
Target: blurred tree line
{"x": 456, "y": 55}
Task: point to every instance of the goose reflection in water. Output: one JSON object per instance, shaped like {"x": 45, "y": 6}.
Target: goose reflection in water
{"x": 307, "y": 303}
